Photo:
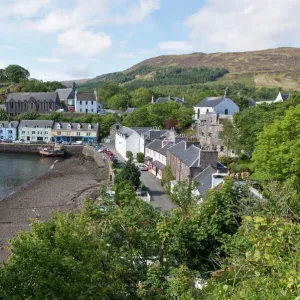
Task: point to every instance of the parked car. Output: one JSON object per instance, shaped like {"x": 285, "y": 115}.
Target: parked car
{"x": 7, "y": 141}
{"x": 142, "y": 167}
{"x": 77, "y": 143}
{"x": 17, "y": 142}
{"x": 66, "y": 143}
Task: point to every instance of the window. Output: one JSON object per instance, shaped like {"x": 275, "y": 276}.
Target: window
{"x": 92, "y": 102}
{"x": 92, "y": 110}
{"x": 86, "y": 102}
{"x": 45, "y": 139}
{"x": 1, "y": 131}
{"x": 68, "y": 133}
{"x": 88, "y": 134}
{"x": 33, "y": 132}
{"x": 23, "y": 132}
{"x": 45, "y": 133}
{"x": 78, "y": 133}
{"x": 207, "y": 110}
{"x": 58, "y": 132}
{"x": 80, "y": 110}
{"x": 226, "y": 111}
{"x": 222, "y": 148}
{"x": 198, "y": 114}
{"x": 80, "y": 102}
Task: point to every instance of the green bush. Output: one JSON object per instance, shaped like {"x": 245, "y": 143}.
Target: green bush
{"x": 140, "y": 157}
{"x": 129, "y": 155}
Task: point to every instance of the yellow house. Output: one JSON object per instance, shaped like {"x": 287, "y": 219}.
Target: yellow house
{"x": 72, "y": 132}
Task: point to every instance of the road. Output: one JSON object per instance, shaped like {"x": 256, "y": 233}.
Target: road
{"x": 160, "y": 199}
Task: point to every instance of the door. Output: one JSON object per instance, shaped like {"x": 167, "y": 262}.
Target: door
{"x": 28, "y": 138}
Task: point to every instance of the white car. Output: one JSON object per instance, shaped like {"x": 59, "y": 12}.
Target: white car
{"x": 142, "y": 167}
{"x": 17, "y": 142}
{"x": 77, "y": 143}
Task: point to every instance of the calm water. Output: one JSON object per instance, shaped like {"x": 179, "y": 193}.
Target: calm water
{"x": 17, "y": 170}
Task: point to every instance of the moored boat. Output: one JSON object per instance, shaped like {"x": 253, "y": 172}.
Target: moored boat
{"x": 50, "y": 151}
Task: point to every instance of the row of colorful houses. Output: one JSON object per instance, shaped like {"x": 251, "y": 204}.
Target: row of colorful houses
{"x": 47, "y": 131}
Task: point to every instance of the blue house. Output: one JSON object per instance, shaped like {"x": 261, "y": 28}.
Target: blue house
{"x": 9, "y": 130}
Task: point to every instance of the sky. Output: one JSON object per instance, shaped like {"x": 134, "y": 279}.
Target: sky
{"x": 74, "y": 39}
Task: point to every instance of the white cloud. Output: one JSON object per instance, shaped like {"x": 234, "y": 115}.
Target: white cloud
{"x": 84, "y": 42}
{"x": 50, "y": 75}
{"x": 25, "y": 8}
{"x": 244, "y": 25}
{"x": 49, "y": 60}
{"x": 175, "y": 46}
{"x": 139, "y": 11}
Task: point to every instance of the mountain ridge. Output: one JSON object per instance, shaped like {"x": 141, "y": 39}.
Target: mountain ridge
{"x": 278, "y": 67}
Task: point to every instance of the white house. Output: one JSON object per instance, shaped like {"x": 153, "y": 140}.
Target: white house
{"x": 218, "y": 105}
{"x": 156, "y": 156}
{"x": 127, "y": 139}
{"x": 282, "y": 97}
{"x": 136, "y": 139}
{"x": 9, "y": 130}
{"x": 87, "y": 103}
{"x": 35, "y": 130}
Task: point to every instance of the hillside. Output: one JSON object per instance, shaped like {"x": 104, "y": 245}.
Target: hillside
{"x": 266, "y": 68}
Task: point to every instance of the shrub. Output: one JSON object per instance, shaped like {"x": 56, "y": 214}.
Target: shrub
{"x": 140, "y": 157}
{"x": 129, "y": 155}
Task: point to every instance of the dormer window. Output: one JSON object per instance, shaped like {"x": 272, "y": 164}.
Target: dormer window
{"x": 69, "y": 126}
{"x": 78, "y": 126}
{"x": 58, "y": 126}
{"x": 90, "y": 126}
{"x": 1, "y": 125}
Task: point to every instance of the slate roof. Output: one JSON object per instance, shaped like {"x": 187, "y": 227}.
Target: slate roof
{"x": 86, "y": 97}
{"x": 204, "y": 179}
{"x": 141, "y": 130}
{"x": 129, "y": 111}
{"x": 154, "y": 145}
{"x": 159, "y": 165}
{"x": 5, "y": 124}
{"x": 125, "y": 130}
{"x": 83, "y": 126}
{"x": 210, "y": 101}
{"x": 168, "y": 99}
{"x": 285, "y": 97}
{"x": 38, "y": 123}
{"x": 43, "y": 97}
{"x": 68, "y": 93}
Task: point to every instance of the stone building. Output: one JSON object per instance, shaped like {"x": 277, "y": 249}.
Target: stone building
{"x": 187, "y": 160}
{"x": 208, "y": 129}
{"x": 42, "y": 103}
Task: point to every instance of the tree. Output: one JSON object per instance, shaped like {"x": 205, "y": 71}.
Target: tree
{"x": 2, "y": 76}
{"x": 120, "y": 101}
{"x": 229, "y": 135}
{"x": 130, "y": 172}
{"x": 107, "y": 91}
{"x": 263, "y": 262}
{"x": 3, "y": 115}
{"x": 140, "y": 157}
{"x": 15, "y": 73}
{"x": 277, "y": 152}
{"x": 30, "y": 115}
{"x": 171, "y": 123}
{"x": 141, "y": 96}
{"x": 129, "y": 155}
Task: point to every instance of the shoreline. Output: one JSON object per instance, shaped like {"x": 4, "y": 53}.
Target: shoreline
{"x": 62, "y": 188}
{"x": 29, "y": 183}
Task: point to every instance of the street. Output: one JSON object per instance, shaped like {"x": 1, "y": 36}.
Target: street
{"x": 160, "y": 200}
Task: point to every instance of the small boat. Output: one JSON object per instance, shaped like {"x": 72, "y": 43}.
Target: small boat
{"x": 53, "y": 152}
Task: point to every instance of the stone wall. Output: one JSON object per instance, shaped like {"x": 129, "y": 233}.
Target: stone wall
{"x": 100, "y": 160}
{"x": 24, "y": 148}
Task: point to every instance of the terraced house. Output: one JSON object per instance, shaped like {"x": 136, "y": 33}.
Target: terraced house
{"x": 72, "y": 132}
{"x": 35, "y": 130}
{"x": 42, "y": 103}
{"x": 8, "y": 130}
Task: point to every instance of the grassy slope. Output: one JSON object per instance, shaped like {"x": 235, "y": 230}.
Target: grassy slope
{"x": 270, "y": 68}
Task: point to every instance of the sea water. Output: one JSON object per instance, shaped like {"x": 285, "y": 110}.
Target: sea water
{"x": 17, "y": 170}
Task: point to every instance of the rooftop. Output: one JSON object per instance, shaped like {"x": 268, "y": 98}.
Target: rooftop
{"x": 43, "y": 97}
{"x": 211, "y": 101}
{"x": 86, "y": 97}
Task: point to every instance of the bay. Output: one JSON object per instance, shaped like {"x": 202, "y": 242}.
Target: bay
{"x": 17, "y": 170}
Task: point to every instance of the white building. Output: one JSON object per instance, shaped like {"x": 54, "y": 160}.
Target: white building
{"x": 87, "y": 103}
{"x": 9, "y": 130}
{"x": 136, "y": 139}
{"x": 35, "y": 130}
{"x": 156, "y": 156}
{"x": 218, "y": 105}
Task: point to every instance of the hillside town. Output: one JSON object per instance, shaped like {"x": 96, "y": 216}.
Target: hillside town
{"x": 149, "y": 150}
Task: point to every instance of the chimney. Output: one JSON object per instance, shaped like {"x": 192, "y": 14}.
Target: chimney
{"x": 207, "y": 158}
{"x": 8, "y": 91}
{"x": 153, "y": 101}
{"x": 74, "y": 86}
